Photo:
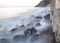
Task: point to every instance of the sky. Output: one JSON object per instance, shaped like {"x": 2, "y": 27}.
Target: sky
{"x": 19, "y": 2}
{"x": 11, "y": 8}
{"x": 13, "y": 11}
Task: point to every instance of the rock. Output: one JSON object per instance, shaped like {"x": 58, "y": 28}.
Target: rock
{"x": 47, "y": 16}
{"x": 37, "y": 24}
{"x": 22, "y": 26}
{"x": 19, "y": 37}
{"x": 4, "y": 40}
{"x": 35, "y": 37}
{"x": 30, "y": 31}
{"x": 13, "y": 30}
{"x": 43, "y": 3}
{"x": 38, "y": 17}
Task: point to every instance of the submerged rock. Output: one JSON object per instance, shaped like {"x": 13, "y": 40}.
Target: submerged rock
{"x": 4, "y": 40}
{"x": 37, "y": 24}
{"x": 13, "y": 30}
{"x": 38, "y": 17}
{"x": 30, "y": 26}
{"x": 30, "y": 31}
{"x": 19, "y": 37}
{"x": 35, "y": 37}
{"x": 47, "y": 16}
{"x": 22, "y": 26}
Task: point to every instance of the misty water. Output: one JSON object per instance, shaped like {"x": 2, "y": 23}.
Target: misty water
{"x": 27, "y": 27}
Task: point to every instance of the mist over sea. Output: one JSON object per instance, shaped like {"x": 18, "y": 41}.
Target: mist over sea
{"x": 27, "y": 27}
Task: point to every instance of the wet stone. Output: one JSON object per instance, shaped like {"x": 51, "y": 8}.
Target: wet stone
{"x": 30, "y": 31}
{"x": 22, "y": 26}
{"x": 4, "y": 40}
{"x": 37, "y": 24}
{"x": 13, "y": 29}
{"x": 38, "y": 17}
{"x": 19, "y": 38}
{"x": 35, "y": 37}
{"x": 47, "y": 16}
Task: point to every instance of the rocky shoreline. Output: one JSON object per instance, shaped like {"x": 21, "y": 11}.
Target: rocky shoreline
{"x": 34, "y": 29}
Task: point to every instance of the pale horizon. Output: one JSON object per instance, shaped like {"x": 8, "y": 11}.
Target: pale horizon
{"x": 11, "y": 8}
